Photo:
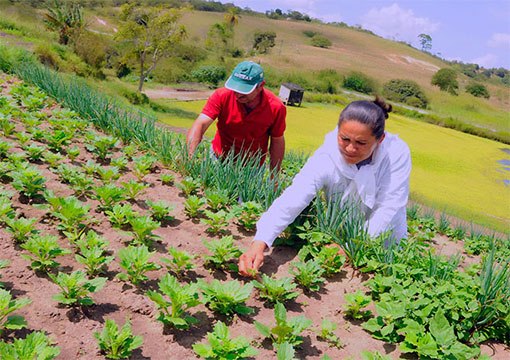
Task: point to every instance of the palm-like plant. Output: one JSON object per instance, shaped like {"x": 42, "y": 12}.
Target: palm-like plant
{"x": 64, "y": 17}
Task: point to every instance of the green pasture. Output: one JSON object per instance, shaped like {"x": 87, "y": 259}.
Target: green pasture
{"x": 452, "y": 171}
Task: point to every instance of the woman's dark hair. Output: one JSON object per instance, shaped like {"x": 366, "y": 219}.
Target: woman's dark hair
{"x": 372, "y": 113}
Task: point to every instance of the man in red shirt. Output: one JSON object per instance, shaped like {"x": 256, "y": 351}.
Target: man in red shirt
{"x": 250, "y": 118}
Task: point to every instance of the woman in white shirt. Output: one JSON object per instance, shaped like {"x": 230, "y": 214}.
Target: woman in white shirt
{"x": 358, "y": 160}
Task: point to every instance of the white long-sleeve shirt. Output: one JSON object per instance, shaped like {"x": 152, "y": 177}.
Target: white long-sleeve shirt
{"x": 381, "y": 187}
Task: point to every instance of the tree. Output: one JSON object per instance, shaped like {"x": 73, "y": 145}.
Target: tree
{"x": 425, "y": 41}
{"x": 64, "y": 17}
{"x": 405, "y": 91}
{"x": 478, "y": 90}
{"x": 446, "y": 79}
{"x": 232, "y": 17}
{"x": 263, "y": 41}
{"x": 149, "y": 35}
{"x": 319, "y": 40}
{"x": 219, "y": 39}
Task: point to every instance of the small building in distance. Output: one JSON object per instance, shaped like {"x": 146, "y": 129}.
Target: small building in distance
{"x": 291, "y": 94}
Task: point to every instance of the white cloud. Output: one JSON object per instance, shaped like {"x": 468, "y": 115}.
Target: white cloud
{"x": 396, "y": 23}
{"x": 487, "y": 61}
{"x": 499, "y": 40}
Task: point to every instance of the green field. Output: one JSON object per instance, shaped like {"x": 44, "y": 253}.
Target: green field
{"x": 452, "y": 172}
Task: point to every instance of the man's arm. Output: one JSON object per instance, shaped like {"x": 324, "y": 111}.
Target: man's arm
{"x": 276, "y": 152}
{"x": 197, "y": 131}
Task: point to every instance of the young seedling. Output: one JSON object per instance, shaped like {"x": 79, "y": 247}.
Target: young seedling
{"x": 109, "y": 195}
{"x": 227, "y": 298}
{"x": 133, "y": 188}
{"x": 220, "y": 346}
{"x": 143, "y": 165}
{"x": 7, "y": 127}
{"x": 330, "y": 260}
{"x": 6, "y": 210}
{"x": 216, "y": 199}
{"x": 167, "y": 179}
{"x": 181, "y": 298}
{"x": 142, "y": 227}
{"x": 23, "y": 138}
{"x": 4, "y": 148}
{"x": 355, "y": 302}
{"x": 135, "y": 261}
{"x": 224, "y": 251}
{"x": 52, "y": 159}
{"x": 29, "y": 181}
{"x": 3, "y": 264}
{"x": 7, "y": 306}
{"x": 73, "y": 153}
{"x": 35, "y": 345}
{"x": 247, "y": 214}
{"x": 327, "y": 334}
{"x": 76, "y": 288}
{"x": 119, "y": 215}
{"x": 94, "y": 259}
{"x": 193, "y": 205}
{"x": 101, "y": 146}
{"x": 189, "y": 186}
{"x": 180, "y": 261}
{"x": 308, "y": 274}
{"x": 285, "y": 351}
{"x": 115, "y": 343}
{"x": 21, "y": 229}
{"x": 43, "y": 249}
{"x": 91, "y": 167}
{"x": 276, "y": 290}
{"x": 34, "y": 152}
{"x": 108, "y": 174}
{"x": 130, "y": 150}
{"x": 67, "y": 173}
{"x": 285, "y": 330}
{"x": 92, "y": 239}
{"x": 160, "y": 210}
{"x": 217, "y": 221}
{"x": 58, "y": 140}
{"x": 120, "y": 162}
{"x": 73, "y": 215}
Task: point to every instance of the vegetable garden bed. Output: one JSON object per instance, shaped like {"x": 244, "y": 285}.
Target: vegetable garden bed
{"x": 117, "y": 220}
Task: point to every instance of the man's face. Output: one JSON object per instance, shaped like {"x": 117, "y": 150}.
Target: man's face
{"x": 248, "y": 98}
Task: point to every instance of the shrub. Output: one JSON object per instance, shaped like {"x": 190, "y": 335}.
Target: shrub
{"x": 91, "y": 47}
{"x": 360, "y": 82}
{"x": 405, "y": 91}
{"x": 134, "y": 97}
{"x": 263, "y": 41}
{"x": 210, "y": 74}
{"x": 478, "y": 90}
{"x": 321, "y": 41}
{"x": 309, "y": 33}
{"x": 446, "y": 80}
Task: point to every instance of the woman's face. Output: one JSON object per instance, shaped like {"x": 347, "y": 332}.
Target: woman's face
{"x": 356, "y": 141}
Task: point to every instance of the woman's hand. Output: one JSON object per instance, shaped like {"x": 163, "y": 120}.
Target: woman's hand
{"x": 252, "y": 259}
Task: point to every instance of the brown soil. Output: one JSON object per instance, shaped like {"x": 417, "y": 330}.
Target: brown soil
{"x": 183, "y": 94}
{"x": 72, "y": 328}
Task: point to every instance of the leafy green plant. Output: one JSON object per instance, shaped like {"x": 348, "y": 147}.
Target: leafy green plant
{"x": 29, "y": 181}
{"x": 109, "y": 195}
{"x": 143, "y": 165}
{"x": 120, "y": 162}
{"x": 7, "y": 127}
{"x": 285, "y": 330}
{"x": 189, "y": 186}
{"x": 193, "y": 205}
{"x": 374, "y": 355}
{"x": 167, "y": 178}
{"x": 117, "y": 343}
{"x": 92, "y": 239}
{"x": 223, "y": 251}
{"x": 220, "y": 346}
{"x": 308, "y": 274}
{"x": 327, "y": 333}
{"x": 276, "y": 290}
{"x": 227, "y": 298}
{"x": 216, "y": 199}
{"x": 182, "y": 297}
{"x": 328, "y": 256}
{"x": 180, "y": 261}
{"x": 6, "y": 210}
{"x": 91, "y": 167}
{"x": 247, "y": 214}
{"x": 355, "y": 302}
{"x": 94, "y": 259}
{"x": 101, "y": 146}
{"x": 217, "y": 221}
{"x": 285, "y": 351}
{"x": 36, "y": 345}
{"x": 34, "y": 152}
{"x": 44, "y": 249}
{"x": 120, "y": 214}
{"x": 76, "y": 288}
{"x": 142, "y": 227}
{"x": 73, "y": 153}
{"x": 133, "y": 188}
{"x": 4, "y": 148}
{"x": 108, "y": 173}
{"x": 135, "y": 261}
{"x": 21, "y": 229}
{"x": 7, "y": 306}
{"x": 72, "y": 213}
{"x": 160, "y": 210}
{"x": 52, "y": 159}
{"x": 58, "y": 140}
{"x": 23, "y": 138}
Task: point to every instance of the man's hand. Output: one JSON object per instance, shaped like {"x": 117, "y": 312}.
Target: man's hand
{"x": 252, "y": 259}
{"x": 197, "y": 131}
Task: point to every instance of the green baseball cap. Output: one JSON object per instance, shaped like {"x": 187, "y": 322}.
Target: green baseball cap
{"x": 245, "y": 77}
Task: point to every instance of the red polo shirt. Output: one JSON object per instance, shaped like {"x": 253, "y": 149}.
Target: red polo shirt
{"x": 239, "y": 129}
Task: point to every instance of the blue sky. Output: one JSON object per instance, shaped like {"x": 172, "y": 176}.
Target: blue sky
{"x": 471, "y": 31}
